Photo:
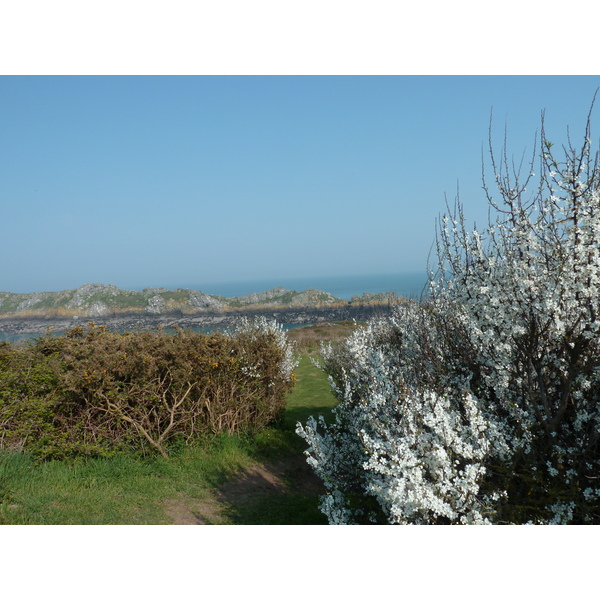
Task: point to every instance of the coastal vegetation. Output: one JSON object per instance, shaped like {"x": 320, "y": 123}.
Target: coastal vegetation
{"x": 92, "y": 392}
{"x": 479, "y": 404}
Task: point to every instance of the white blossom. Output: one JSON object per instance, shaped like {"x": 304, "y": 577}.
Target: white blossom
{"x": 482, "y": 404}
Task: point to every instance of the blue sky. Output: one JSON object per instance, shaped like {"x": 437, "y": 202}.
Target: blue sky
{"x": 167, "y": 180}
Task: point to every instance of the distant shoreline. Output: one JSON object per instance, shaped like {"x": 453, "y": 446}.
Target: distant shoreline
{"x": 16, "y": 326}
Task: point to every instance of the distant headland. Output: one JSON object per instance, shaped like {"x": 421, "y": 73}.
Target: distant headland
{"x": 151, "y": 307}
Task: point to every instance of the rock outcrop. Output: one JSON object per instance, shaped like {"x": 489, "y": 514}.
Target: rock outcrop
{"x": 96, "y": 299}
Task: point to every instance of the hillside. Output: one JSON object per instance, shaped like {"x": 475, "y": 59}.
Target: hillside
{"x": 96, "y": 300}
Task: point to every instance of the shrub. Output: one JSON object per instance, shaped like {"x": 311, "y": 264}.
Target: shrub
{"x": 92, "y": 391}
{"x": 29, "y": 393}
{"x": 405, "y": 445}
{"x": 483, "y": 404}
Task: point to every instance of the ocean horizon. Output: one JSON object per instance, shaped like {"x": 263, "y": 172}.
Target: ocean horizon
{"x": 409, "y": 284}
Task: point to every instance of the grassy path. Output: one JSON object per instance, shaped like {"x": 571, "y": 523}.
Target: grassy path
{"x": 262, "y": 479}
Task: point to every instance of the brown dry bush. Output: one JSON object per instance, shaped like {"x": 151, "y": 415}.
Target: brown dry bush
{"x": 308, "y": 338}
{"x": 95, "y": 392}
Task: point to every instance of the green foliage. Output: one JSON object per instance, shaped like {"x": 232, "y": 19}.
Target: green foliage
{"x": 129, "y": 489}
{"x": 93, "y": 392}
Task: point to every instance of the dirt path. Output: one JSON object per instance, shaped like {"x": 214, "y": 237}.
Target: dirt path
{"x": 292, "y": 475}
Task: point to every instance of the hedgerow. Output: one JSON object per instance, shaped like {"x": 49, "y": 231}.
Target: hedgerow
{"x": 96, "y": 392}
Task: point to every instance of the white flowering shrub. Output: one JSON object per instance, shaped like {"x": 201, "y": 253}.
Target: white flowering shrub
{"x": 483, "y": 404}
{"x": 409, "y": 442}
{"x": 260, "y": 326}
{"x": 528, "y": 292}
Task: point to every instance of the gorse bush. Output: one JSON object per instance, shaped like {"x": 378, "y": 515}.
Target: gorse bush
{"x": 482, "y": 404}
{"x": 95, "y": 392}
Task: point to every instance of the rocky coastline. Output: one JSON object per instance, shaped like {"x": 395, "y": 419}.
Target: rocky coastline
{"x": 18, "y": 326}
{"x": 126, "y": 310}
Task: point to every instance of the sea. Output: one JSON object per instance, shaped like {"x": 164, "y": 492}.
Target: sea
{"x": 408, "y": 284}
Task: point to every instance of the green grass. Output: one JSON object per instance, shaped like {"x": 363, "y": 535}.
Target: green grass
{"x": 129, "y": 490}
{"x": 311, "y": 396}
{"x": 119, "y": 490}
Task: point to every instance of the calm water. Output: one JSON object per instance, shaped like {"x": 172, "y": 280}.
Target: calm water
{"x": 341, "y": 286}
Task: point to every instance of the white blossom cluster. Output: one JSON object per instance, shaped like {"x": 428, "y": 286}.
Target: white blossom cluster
{"x": 260, "y": 326}
{"x": 483, "y": 404}
{"x": 528, "y": 295}
{"x": 418, "y": 451}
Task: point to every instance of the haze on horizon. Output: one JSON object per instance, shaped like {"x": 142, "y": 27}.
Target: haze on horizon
{"x": 167, "y": 180}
